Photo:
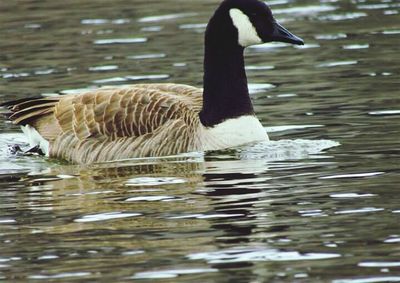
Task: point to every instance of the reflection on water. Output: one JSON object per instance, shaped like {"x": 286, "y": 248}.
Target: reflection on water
{"x": 316, "y": 204}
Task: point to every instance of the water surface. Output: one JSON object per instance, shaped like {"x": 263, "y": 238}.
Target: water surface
{"x": 317, "y": 204}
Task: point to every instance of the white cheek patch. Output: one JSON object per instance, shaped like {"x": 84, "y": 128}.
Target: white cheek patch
{"x": 247, "y": 32}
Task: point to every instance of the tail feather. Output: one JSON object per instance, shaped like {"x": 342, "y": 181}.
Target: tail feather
{"x": 34, "y": 115}
{"x": 11, "y": 103}
{"x": 27, "y": 115}
{"x": 28, "y": 110}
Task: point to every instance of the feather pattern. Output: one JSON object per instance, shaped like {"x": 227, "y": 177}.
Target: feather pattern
{"x": 116, "y": 123}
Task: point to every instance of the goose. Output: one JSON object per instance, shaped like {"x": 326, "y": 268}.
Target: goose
{"x": 161, "y": 119}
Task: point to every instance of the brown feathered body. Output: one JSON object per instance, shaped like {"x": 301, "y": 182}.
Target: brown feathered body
{"x": 116, "y": 123}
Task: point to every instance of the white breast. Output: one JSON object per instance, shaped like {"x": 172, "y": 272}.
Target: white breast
{"x": 234, "y": 132}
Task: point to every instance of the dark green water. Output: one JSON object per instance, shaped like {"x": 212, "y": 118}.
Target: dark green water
{"x": 299, "y": 209}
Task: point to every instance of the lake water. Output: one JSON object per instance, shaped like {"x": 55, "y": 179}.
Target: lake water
{"x": 318, "y": 204}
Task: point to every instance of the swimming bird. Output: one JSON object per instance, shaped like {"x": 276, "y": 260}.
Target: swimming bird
{"x": 143, "y": 120}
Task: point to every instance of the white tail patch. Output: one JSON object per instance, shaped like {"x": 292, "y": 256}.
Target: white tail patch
{"x": 247, "y": 32}
{"x": 34, "y": 138}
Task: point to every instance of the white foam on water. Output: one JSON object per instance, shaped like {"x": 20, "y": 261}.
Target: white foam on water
{"x": 285, "y": 149}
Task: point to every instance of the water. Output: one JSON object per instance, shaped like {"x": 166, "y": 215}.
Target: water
{"x": 318, "y": 204}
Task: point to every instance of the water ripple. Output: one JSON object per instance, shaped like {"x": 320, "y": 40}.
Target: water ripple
{"x": 306, "y": 10}
{"x": 290, "y": 127}
{"x": 147, "y": 56}
{"x": 343, "y": 17}
{"x": 354, "y": 175}
{"x": 356, "y": 46}
{"x": 120, "y": 41}
{"x": 307, "y": 46}
{"x": 154, "y": 181}
{"x": 390, "y": 12}
{"x": 285, "y": 149}
{"x": 59, "y": 275}
{"x": 361, "y": 210}
{"x": 392, "y": 240}
{"x": 258, "y": 254}
{"x": 379, "y": 264}
{"x": 193, "y": 26}
{"x": 131, "y": 78}
{"x": 44, "y": 72}
{"x": 384, "y": 112}
{"x": 390, "y": 32}
{"x": 278, "y": 2}
{"x": 15, "y": 75}
{"x": 103, "y": 68}
{"x": 150, "y": 198}
{"x": 132, "y": 252}
{"x": 7, "y": 221}
{"x": 256, "y": 88}
{"x": 105, "y": 216}
{"x": 259, "y": 68}
{"x": 351, "y": 195}
{"x": 373, "y": 6}
{"x": 152, "y": 29}
{"x": 331, "y": 36}
{"x": 171, "y": 273}
{"x": 104, "y": 21}
{"x": 48, "y": 257}
{"x": 206, "y": 216}
{"x": 77, "y": 90}
{"x": 370, "y": 279}
{"x": 33, "y": 26}
{"x": 338, "y": 63}
{"x": 165, "y": 17}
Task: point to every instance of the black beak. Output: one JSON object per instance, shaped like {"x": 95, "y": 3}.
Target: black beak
{"x": 283, "y": 35}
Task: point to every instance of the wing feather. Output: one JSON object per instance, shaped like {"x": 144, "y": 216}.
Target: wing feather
{"x": 110, "y": 123}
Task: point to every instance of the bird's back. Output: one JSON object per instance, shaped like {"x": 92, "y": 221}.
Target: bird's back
{"x": 115, "y": 123}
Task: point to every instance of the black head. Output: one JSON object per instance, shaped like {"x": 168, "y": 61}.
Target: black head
{"x": 253, "y": 22}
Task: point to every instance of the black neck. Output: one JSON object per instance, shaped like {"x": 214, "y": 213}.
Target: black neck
{"x": 225, "y": 93}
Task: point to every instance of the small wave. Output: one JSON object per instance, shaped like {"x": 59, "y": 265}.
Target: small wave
{"x": 171, "y": 273}
{"x": 286, "y": 149}
{"x": 168, "y": 17}
{"x": 154, "y": 181}
{"x": 105, "y": 216}
{"x": 305, "y": 10}
{"x": 258, "y": 254}
{"x": 120, "y": 41}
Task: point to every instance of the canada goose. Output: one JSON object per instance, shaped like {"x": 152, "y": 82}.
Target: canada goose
{"x": 144, "y": 120}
